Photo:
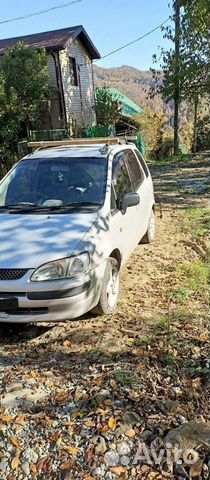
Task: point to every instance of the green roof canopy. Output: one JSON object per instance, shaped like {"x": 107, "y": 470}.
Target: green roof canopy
{"x": 128, "y": 107}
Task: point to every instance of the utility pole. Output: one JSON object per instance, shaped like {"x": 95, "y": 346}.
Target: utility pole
{"x": 177, "y": 72}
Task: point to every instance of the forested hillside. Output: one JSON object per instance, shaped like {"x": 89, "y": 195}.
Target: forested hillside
{"x": 137, "y": 84}
{"x": 134, "y": 83}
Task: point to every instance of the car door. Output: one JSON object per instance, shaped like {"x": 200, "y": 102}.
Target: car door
{"x": 140, "y": 184}
{"x": 123, "y": 226}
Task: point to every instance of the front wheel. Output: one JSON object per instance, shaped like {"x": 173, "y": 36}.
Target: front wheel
{"x": 110, "y": 289}
{"x": 150, "y": 233}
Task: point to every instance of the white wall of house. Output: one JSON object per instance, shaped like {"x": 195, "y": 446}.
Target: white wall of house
{"x": 72, "y": 94}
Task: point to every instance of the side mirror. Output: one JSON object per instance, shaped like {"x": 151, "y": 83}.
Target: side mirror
{"x": 130, "y": 200}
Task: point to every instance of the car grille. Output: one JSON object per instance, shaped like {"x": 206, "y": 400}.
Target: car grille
{"x": 11, "y": 274}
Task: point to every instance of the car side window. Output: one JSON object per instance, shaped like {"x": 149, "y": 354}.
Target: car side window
{"x": 135, "y": 170}
{"x": 142, "y": 162}
{"x": 120, "y": 179}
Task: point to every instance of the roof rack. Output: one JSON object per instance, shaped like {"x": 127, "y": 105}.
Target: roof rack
{"x": 80, "y": 142}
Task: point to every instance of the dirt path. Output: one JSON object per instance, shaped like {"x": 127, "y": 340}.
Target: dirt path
{"x": 66, "y": 388}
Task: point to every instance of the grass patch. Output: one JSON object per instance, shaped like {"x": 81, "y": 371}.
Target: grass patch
{"x": 192, "y": 280}
{"x": 162, "y": 324}
{"x": 142, "y": 341}
{"x": 196, "y": 221}
{"x": 126, "y": 378}
{"x": 171, "y": 160}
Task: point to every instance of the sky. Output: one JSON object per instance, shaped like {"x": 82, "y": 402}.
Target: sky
{"x": 109, "y": 23}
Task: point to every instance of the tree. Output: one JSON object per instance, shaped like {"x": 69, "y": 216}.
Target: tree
{"x": 107, "y": 107}
{"x": 168, "y": 78}
{"x": 25, "y": 87}
{"x": 26, "y": 74}
{"x": 184, "y": 67}
{"x": 195, "y": 38}
{"x": 176, "y": 77}
{"x": 152, "y": 129}
{"x": 9, "y": 123}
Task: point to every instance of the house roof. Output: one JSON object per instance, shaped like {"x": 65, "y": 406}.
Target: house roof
{"x": 53, "y": 40}
{"x": 128, "y": 107}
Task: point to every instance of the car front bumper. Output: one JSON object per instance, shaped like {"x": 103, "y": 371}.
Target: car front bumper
{"x": 53, "y": 301}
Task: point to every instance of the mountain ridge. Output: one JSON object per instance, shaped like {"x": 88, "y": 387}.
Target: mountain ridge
{"x": 134, "y": 83}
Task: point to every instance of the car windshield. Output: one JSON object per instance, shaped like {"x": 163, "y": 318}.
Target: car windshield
{"x": 55, "y": 183}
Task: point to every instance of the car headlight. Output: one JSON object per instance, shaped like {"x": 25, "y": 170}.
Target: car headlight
{"x": 60, "y": 269}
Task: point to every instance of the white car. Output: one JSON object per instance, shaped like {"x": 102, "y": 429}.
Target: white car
{"x": 70, "y": 217}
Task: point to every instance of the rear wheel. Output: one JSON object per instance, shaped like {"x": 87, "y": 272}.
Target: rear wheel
{"x": 150, "y": 233}
{"x": 110, "y": 289}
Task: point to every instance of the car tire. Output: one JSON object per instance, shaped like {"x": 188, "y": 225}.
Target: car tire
{"x": 110, "y": 289}
{"x": 150, "y": 233}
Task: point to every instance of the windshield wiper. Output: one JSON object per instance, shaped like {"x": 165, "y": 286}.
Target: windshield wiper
{"x": 81, "y": 204}
{"x": 27, "y": 207}
{"x": 18, "y": 206}
{"x": 67, "y": 205}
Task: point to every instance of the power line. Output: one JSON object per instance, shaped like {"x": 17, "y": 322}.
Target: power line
{"x": 136, "y": 40}
{"x": 128, "y": 44}
{"x": 39, "y": 12}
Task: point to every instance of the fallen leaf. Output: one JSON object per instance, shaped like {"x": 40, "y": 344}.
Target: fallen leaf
{"x": 154, "y": 476}
{"x": 54, "y": 437}
{"x": 196, "y": 468}
{"x": 33, "y": 374}
{"x": 112, "y": 423}
{"x": 7, "y": 418}
{"x": 71, "y": 450}
{"x": 204, "y": 337}
{"x": 67, "y": 343}
{"x": 104, "y": 430}
{"x": 20, "y": 420}
{"x": 130, "y": 340}
{"x": 67, "y": 465}
{"x": 33, "y": 468}
{"x": 102, "y": 412}
{"x": 118, "y": 470}
{"x": 58, "y": 442}
{"x": 76, "y": 415}
{"x": 50, "y": 384}
{"x": 15, "y": 441}
{"x": 196, "y": 350}
{"x": 145, "y": 469}
{"x": 70, "y": 430}
{"x": 15, "y": 462}
{"x": 130, "y": 433}
{"x": 134, "y": 395}
{"x": 113, "y": 383}
{"x": 108, "y": 402}
{"x": 196, "y": 382}
{"x": 89, "y": 478}
{"x": 78, "y": 394}
{"x": 89, "y": 423}
{"x": 89, "y": 454}
{"x": 48, "y": 421}
{"x": 41, "y": 463}
{"x": 140, "y": 368}
{"x": 99, "y": 380}
{"x": 19, "y": 428}
{"x": 63, "y": 395}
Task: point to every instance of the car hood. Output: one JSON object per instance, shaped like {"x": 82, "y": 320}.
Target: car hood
{"x": 27, "y": 241}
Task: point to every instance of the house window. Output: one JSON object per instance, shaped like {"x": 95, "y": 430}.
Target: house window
{"x": 73, "y": 71}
